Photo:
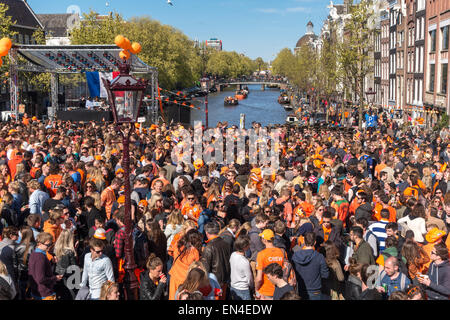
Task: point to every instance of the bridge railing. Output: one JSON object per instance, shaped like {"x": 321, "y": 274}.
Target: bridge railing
{"x": 243, "y": 81}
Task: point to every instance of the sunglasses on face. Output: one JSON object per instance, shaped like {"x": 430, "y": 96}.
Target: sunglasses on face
{"x": 191, "y": 199}
{"x": 97, "y": 252}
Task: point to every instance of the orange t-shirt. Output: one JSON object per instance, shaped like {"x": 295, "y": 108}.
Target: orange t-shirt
{"x": 448, "y": 242}
{"x": 192, "y": 212}
{"x": 52, "y": 184}
{"x": 264, "y": 258}
{"x": 392, "y": 213}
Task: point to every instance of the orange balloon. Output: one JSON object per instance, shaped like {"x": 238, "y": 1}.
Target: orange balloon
{"x": 127, "y": 44}
{"x": 3, "y": 50}
{"x": 6, "y": 42}
{"x": 120, "y": 41}
{"x": 124, "y": 54}
{"x": 135, "y": 48}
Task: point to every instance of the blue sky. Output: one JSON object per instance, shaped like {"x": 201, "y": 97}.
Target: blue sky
{"x": 253, "y": 27}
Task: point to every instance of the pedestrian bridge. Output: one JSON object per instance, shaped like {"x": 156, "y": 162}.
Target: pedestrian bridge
{"x": 240, "y": 83}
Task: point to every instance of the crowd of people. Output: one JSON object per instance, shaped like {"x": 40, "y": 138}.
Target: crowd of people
{"x": 349, "y": 215}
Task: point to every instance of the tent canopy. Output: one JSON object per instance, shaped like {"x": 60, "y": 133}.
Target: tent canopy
{"x": 75, "y": 59}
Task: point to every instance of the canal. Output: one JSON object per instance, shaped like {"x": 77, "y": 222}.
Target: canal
{"x": 260, "y": 106}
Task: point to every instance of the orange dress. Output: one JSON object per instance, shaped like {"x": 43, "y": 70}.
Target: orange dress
{"x": 180, "y": 267}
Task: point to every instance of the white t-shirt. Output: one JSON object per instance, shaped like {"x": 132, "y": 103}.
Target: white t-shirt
{"x": 418, "y": 226}
{"x": 241, "y": 272}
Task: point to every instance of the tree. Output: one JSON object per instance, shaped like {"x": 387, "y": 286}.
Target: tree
{"x": 5, "y": 31}
{"x": 283, "y": 63}
{"x": 163, "y": 47}
{"x": 354, "y": 53}
{"x": 260, "y": 64}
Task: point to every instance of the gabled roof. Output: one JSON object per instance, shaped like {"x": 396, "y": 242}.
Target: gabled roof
{"x": 22, "y": 14}
{"x": 55, "y": 25}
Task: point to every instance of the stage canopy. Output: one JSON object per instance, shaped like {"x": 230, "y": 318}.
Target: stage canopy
{"x": 74, "y": 59}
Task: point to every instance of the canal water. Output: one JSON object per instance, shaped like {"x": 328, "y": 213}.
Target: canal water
{"x": 260, "y": 106}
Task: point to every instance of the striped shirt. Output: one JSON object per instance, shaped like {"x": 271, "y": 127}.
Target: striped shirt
{"x": 379, "y": 230}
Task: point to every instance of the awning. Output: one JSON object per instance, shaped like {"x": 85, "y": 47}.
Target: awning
{"x": 75, "y": 59}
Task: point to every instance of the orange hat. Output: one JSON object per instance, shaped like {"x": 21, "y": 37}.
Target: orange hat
{"x": 34, "y": 118}
{"x": 121, "y": 199}
{"x": 120, "y": 170}
{"x": 100, "y": 234}
{"x": 153, "y": 127}
{"x": 267, "y": 235}
{"x": 223, "y": 170}
{"x": 137, "y": 125}
{"x": 434, "y": 235}
{"x": 114, "y": 151}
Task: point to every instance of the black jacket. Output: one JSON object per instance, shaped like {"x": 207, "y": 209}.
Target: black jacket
{"x": 364, "y": 211}
{"x": 439, "y": 288}
{"x": 334, "y": 236}
{"x": 216, "y": 258}
{"x": 370, "y": 294}
{"x": 352, "y": 288}
{"x": 149, "y": 290}
{"x": 228, "y": 238}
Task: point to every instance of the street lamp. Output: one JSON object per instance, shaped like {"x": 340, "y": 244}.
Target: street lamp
{"x": 205, "y": 86}
{"x": 125, "y": 94}
{"x": 370, "y": 96}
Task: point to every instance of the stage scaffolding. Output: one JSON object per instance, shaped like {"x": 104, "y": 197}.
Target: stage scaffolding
{"x": 74, "y": 59}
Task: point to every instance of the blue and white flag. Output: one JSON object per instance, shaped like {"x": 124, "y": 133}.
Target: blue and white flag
{"x": 95, "y": 83}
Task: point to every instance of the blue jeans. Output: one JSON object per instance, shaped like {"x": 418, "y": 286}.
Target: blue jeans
{"x": 240, "y": 294}
{"x": 315, "y": 295}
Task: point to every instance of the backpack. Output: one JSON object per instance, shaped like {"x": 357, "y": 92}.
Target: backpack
{"x": 289, "y": 272}
{"x": 401, "y": 264}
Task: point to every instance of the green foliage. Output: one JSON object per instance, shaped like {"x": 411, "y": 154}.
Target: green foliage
{"x": 284, "y": 63}
{"x": 354, "y": 52}
{"x": 260, "y": 65}
{"x": 229, "y": 64}
{"x": 5, "y": 31}
{"x": 443, "y": 122}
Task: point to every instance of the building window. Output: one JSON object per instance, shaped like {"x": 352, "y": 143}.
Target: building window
{"x": 432, "y": 74}
{"x": 444, "y": 78}
{"x": 433, "y": 41}
{"x": 444, "y": 38}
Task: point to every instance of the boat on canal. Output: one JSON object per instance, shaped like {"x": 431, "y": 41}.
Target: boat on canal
{"x": 231, "y": 101}
{"x": 288, "y": 107}
{"x": 284, "y": 99}
{"x": 241, "y": 95}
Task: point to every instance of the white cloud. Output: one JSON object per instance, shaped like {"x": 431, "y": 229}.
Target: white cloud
{"x": 297, "y": 9}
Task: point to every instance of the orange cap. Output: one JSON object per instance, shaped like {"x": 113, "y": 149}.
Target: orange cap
{"x": 434, "y": 235}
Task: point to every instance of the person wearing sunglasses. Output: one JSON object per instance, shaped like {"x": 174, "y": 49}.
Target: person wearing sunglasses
{"x": 437, "y": 281}
{"x": 97, "y": 269}
{"x": 40, "y": 272}
{"x": 191, "y": 210}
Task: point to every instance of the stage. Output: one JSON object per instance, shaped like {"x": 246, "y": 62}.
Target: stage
{"x": 85, "y": 116}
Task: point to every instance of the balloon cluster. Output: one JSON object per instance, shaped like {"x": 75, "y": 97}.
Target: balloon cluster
{"x": 128, "y": 47}
{"x": 5, "y": 46}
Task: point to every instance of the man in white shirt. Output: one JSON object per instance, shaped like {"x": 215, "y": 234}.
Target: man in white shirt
{"x": 97, "y": 269}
